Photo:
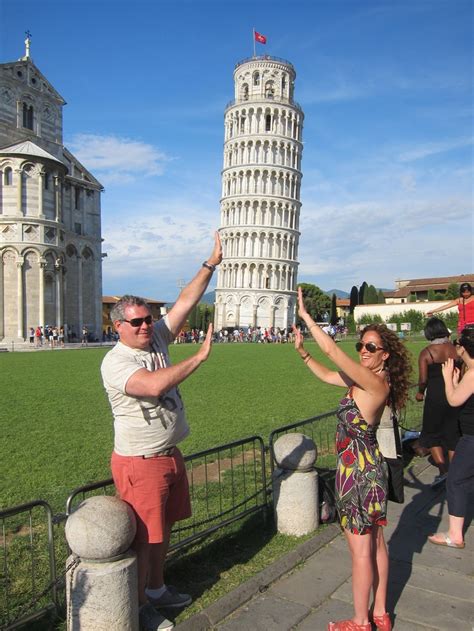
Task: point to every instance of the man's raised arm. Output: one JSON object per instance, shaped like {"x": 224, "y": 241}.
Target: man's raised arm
{"x": 192, "y": 293}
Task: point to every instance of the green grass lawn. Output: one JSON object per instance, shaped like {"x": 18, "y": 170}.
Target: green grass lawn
{"x": 56, "y": 424}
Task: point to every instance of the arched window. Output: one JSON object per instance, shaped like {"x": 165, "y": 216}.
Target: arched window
{"x": 269, "y": 90}
{"x": 245, "y": 92}
{"x": 8, "y": 176}
{"x": 27, "y": 116}
{"x": 268, "y": 122}
{"x": 46, "y": 181}
{"x": 256, "y": 78}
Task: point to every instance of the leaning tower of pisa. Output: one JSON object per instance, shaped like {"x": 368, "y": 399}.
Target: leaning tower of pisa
{"x": 260, "y": 204}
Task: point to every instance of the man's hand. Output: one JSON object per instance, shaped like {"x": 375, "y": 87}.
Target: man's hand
{"x": 205, "y": 349}
{"x": 419, "y": 396}
{"x": 216, "y": 256}
{"x": 301, "y": 307}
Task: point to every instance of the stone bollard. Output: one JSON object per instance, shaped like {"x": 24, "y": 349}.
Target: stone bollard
{"x": 102, "y": 589}
{"x": 295, "y": 485}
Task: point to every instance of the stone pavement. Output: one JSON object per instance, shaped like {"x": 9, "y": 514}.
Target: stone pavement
{"x": 430, "y": 587}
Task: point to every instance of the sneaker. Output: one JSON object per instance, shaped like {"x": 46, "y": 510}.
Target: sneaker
{"x": 152, "y": 620}
{"x": 439, "y": 479}
{"x": 171, "y": 598}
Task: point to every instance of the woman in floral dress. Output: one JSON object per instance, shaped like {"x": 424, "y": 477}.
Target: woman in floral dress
{"x": 380, "y": 376}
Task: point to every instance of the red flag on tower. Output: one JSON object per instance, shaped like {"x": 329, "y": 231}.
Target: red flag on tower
{"x": 261, "y": 39}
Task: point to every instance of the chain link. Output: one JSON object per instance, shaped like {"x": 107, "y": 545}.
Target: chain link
{"x": 71, "y": 566}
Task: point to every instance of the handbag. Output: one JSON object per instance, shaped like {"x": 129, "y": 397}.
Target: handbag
{"x": 396, "y": 492}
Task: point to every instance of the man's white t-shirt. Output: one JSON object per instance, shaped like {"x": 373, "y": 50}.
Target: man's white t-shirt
{"x": 143, "y": 425}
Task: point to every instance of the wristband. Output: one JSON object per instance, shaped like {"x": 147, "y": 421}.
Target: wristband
{"x": 305, "y": 357}
{"x": 209, "y": 266}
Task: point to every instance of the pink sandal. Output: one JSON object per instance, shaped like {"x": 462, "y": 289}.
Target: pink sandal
{"x": 383, "y": 622}
{"x": 348, "y": 625}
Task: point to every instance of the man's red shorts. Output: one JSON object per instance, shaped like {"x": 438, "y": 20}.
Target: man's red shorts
{"x": 156, "y": 488}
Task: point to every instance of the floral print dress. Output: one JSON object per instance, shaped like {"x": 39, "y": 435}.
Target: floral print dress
{"x": 362, "y": 475}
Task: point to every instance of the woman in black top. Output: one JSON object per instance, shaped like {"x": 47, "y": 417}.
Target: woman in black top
{"x": 461, "y": 472}
{"x": 440, "y": 431}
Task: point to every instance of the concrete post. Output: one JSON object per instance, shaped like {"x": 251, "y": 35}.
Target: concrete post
{"x": 295, "y": 485}
{"x": 102, "y": 589}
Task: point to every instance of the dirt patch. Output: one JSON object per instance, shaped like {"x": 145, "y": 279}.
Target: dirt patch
{"x": 213, "y": 471}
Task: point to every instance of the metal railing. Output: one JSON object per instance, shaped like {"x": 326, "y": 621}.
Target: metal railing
{"x": 321, "y": 429}
{"x": 25, "y": 569}
{"x": 264, "y": 58}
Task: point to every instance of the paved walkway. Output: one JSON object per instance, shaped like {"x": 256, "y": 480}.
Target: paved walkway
{"x": 430, "y": 587}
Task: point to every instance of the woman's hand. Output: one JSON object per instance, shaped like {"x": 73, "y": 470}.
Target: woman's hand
{"x": 448, "y": 371}
{"x": 298, "y": 340}
{"x": 301, "y": 307}
{"x": 419, "y": 396}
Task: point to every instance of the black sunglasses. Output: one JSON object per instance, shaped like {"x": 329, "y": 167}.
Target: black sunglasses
{"x": 370, "y": 346}
{"x": 136, "y": 322}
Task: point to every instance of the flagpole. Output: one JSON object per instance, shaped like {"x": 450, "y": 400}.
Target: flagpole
{"x": 254, "y": 53}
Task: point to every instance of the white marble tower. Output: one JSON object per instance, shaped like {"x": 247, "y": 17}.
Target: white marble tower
{"x": 260, "y": 204}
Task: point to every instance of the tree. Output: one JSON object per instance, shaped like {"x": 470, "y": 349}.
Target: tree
{"x": 431, "y": 295}
{"x": 354, "y": 298}
{"x": 316, "y": 301}
{"x": 412, "y": 297}
{"x": 333, "y": 320}
{"x": 371, "y": 295}
{"x": 380, "y": 297}
{"x": 367, "y": 318}
{"x": 363, "y": 293}
{"x": 452, "y": 292}
{"x": 351, "y": 324}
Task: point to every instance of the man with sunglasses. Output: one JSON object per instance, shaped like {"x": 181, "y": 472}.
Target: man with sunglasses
{"x": 149, "y": 421}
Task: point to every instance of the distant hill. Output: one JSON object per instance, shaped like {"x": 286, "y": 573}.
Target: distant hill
{"x": 208, "y": 298}
{"x": 339, "y": 293}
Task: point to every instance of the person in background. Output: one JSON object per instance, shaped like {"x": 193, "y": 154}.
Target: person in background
{"x": 380, "y": 376}
{"x": 440, "y": 431}
{"x": 460, "y": 483}
{"x": 465, "y": 305}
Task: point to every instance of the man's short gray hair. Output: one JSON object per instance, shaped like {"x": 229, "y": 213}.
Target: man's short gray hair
{"x": 118, "y": 310}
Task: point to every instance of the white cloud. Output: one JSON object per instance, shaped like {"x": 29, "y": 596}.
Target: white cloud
{"x": 118, "y": 159}
{"x": 379, "y": 241}
{"x": 432, "y": 148}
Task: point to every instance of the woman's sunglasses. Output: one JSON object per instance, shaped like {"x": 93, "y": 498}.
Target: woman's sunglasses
{"x": 370, "y": 346}
{"x": 136, "y": 322}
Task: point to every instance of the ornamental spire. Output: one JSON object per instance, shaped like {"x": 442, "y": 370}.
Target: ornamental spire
{"x": 27, "y": 45}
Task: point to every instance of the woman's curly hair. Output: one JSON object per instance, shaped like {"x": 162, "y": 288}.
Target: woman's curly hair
{"x": 398, "y": 363}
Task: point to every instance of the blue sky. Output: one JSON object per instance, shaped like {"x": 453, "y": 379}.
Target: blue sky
{"x": 387, "y": 91}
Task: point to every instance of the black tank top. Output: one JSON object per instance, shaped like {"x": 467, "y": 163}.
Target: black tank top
{"x": 466, "y": 417}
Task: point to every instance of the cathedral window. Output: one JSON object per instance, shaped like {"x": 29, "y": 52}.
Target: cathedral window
{"x": 256, "y": 78}
{"x": 245, "y": 92}
{"x": 78, "y": 228}
{"x": 77, "y": 198}
{"x": 268, "y": 122}
{"x": 8, "y": 177}
{"x": 27, "y": 116}
{"x": 46, "y": 181}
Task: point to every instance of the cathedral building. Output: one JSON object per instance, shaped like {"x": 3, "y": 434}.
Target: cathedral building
{"x": 50, "y": 228}
{"x": 260, "y": 203}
